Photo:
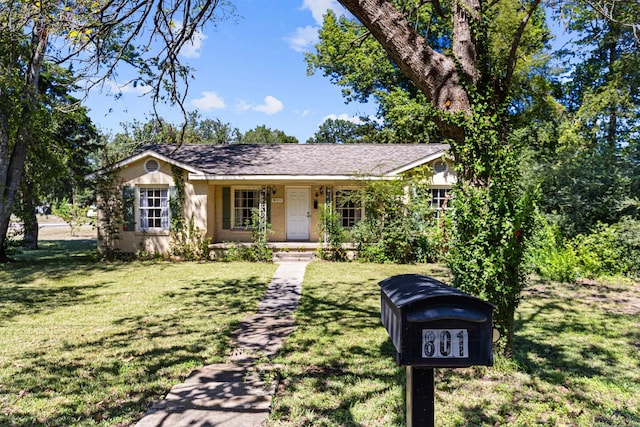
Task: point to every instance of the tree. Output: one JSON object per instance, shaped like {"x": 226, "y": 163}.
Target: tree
{"x": 137, "y": 134}
{"x": 93, "y": 38}
{"x": 337, "y": 131}
{"x": 592, "y": 170}
{"x": 56, "y": 165}
{"x": 264, "y": 135}
{"x": 467, "y": 75}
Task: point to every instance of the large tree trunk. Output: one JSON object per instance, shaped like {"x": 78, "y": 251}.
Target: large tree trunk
{"x": 5, "y": 204}
{"x": 28, "y": 214}
{"x": 13, "y": 172}
{"x": 433, "y": 73}
{"x": 13, "y": 157}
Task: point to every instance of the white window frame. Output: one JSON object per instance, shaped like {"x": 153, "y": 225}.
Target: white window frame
{"x": 440, "y": 198}
{"x": 161, "y": 203}
{"x": 235, "y": 209}
{"x": 356, "y": 219}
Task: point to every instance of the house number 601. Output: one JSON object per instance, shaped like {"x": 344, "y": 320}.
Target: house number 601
{"x": 445, "y": 343}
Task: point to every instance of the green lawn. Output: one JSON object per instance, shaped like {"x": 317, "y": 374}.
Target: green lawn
{"x": 86, "y": 343}
{"x": 577, "y": 360}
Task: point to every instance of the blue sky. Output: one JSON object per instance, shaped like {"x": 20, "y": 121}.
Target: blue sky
{"x": 249, "y": 72}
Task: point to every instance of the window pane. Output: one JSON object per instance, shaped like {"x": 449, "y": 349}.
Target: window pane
{"x": 154, "y": 207}
{"x": 349, "y": 206}
{"x": 440, "y": 198}
{"x": 244, "y": 203}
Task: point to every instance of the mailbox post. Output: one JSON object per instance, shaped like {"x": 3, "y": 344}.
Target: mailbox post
{"x": 433, "y": 325}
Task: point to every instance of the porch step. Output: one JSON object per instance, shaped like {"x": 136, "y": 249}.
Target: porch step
{"x": 292, "y": 256}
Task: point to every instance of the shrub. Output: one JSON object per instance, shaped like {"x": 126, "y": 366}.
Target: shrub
{"x": 549, "y": 256}
{"x": 332, "y": 235}
{"x": 257, "y": 251}
{"x": 628, "y": 240}
{"x": 397, "y": 228}
{"x": 190, "y": 243}
{"x": 74, "y": 215}
{"x": 607, "y": 250}
{"x": 597, "y": 252}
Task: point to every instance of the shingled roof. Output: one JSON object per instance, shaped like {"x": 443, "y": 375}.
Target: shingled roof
{"x": 299, "y": 159}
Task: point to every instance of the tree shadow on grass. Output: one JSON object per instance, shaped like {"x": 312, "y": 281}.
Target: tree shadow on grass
{"x": 547, "y": 356}
{"x": 339, "y": 369}
{"x": 116, "y": 372}
{"x": 55, "y": 260}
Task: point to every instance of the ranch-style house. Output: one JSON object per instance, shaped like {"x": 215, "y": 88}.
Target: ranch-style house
{"x": 287, "y": 183}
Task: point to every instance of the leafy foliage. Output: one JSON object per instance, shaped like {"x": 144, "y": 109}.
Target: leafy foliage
{"x": 493, "y": 217}
{"x": 258, "y": 250}
{"x": 74, "y": 215}
{"x": 264, "y": 135}
{"x": 339, "y": 131}
{"x": 332, "y": 235}
{"x": 604, "y": 251}
{"x": 395, "y": 226}
{"x": 187, "y": 242}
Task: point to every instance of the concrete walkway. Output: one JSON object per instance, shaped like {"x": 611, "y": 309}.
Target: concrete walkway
{"x": 234, "y": 394}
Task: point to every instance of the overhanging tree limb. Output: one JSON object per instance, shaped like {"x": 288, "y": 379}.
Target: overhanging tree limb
{"x": 511, "y": 65}
{"x": 432, "y": 72}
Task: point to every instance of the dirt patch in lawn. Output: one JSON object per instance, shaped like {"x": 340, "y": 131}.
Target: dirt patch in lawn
{"x": 613, "y": 298}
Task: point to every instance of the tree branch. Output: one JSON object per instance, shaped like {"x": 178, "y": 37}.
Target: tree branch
{"x": 511, "y": 65}
{"x": 435, "y": 74}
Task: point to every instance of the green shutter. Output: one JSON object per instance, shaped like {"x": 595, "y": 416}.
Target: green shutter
{"x": 129, "y": 208}
{"x": 269, "y": 207}
{"x": 226, "y": 208}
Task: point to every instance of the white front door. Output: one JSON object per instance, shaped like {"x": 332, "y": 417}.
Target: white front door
{"x": 298, "y": 213}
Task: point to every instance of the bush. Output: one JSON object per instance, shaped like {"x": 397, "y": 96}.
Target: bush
{"x": 597, "y": 252}
{"x": 549, "y": 256}
{"x": 332, "y": 235}
{"x": 190, "y": 243}
{"x": 397, "y": 228}
{"x": 608, "y": 250}
{"x": 628, "y": 240}
{"x": 257, "y": 251}
{"x": 74, "y": 215}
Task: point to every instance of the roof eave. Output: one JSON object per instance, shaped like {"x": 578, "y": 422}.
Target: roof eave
{"x": 142, "y": 155}
{"x": 307, "y": 178}
{"x": 420, "y": 162}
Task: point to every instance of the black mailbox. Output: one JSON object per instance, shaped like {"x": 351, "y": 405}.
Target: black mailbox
{"x": 434, "y": 325}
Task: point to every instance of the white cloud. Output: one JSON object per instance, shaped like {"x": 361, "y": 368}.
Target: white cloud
{"x": 191, "y": 49}
{"x": 270, "y": 106}
{"x": 208, "y": 101}
{"x": 304, "y": 38}
{"x": 319, "y": 7}
{"x": 243, "y": 105}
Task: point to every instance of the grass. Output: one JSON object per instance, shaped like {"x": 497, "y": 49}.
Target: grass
{"x": 88, "y": 343}
{"x": 577, "y": 360}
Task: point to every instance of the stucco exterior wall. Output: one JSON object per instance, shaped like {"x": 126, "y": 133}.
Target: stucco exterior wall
{"x": 446, "y": 178}
{"x": 196, "y": 207}
{"x": 135, "y": 175}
